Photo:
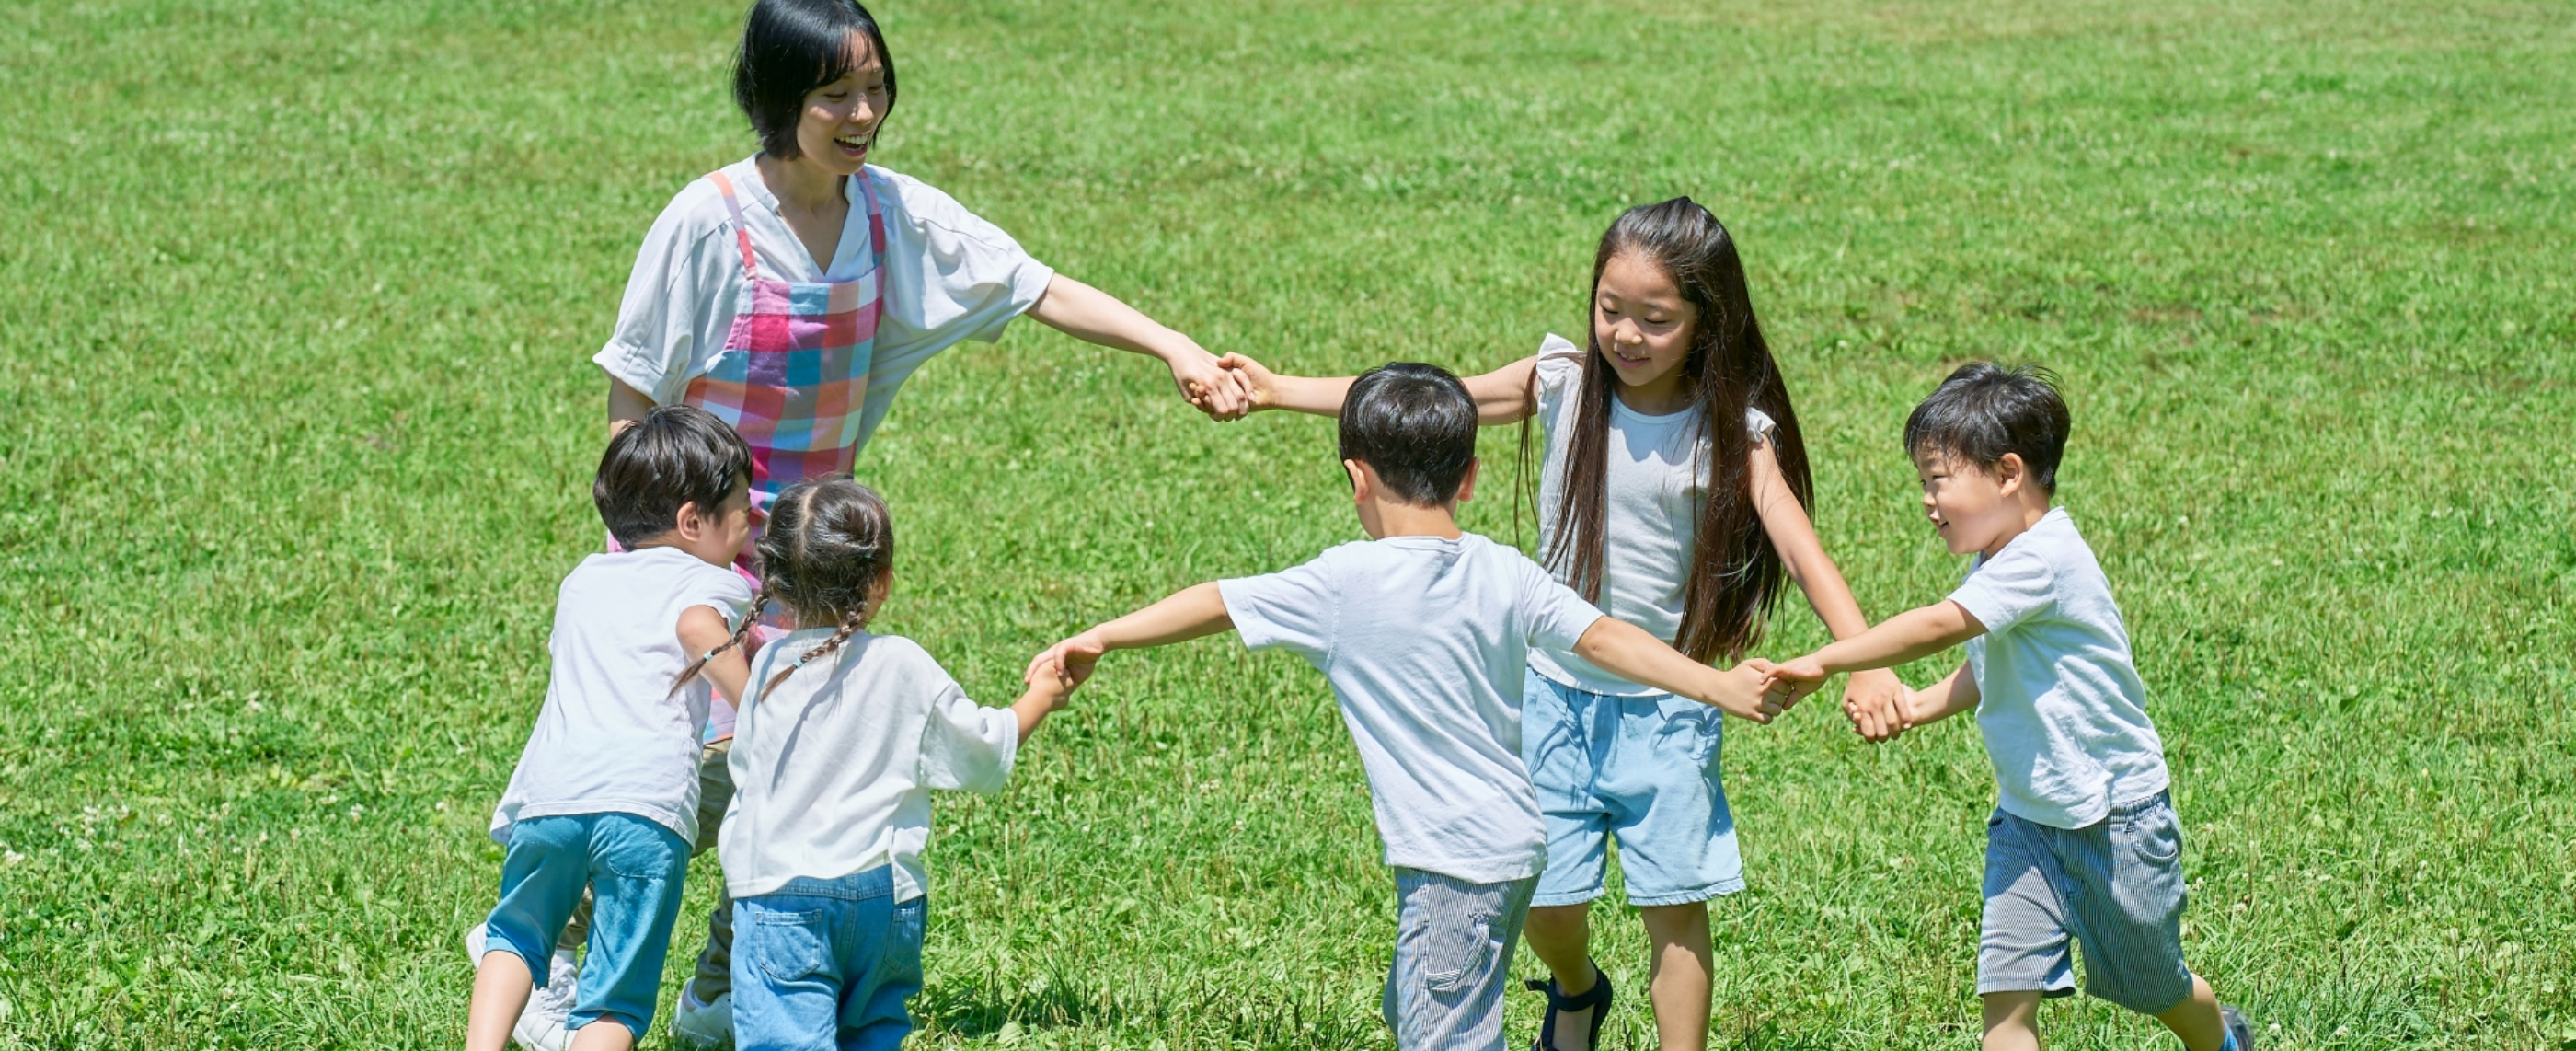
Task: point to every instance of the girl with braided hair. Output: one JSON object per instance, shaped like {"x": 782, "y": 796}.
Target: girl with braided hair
{"x": 834, "y": 757}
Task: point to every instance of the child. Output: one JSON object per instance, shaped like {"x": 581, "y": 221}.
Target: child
{"x": 1681, "y": 526}
{"x": 834, "y": 761}
{"x": 1424, "y": 633}
{"x": 792, "y": 293}
{"x": 605, "y": 795}
{"x": 2084, "y": 846}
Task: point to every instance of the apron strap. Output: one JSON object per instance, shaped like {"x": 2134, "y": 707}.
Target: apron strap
{"x": 741, "y": 232}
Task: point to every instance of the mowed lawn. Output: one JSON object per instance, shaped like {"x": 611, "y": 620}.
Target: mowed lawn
{"x": 297, "y": 425}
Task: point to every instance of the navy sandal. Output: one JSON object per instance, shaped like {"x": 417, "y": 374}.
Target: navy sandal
{"x": 1597, "y": 998}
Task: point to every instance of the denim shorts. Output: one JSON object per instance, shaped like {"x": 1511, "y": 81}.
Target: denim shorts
{"x": 633, "y": 867}
{"x": 826, "y": 964}
{"x": 2115, "y": 886}
{"x": 1453, "y": 956}
{"x": 1642, "y": 769}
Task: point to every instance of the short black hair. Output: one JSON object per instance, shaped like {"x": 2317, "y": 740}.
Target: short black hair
{"x": 675, "y": 455}
{"x": 1985, "y": 410}
{"x": 1415, "y": 425}
{"x": 791, "y": 47}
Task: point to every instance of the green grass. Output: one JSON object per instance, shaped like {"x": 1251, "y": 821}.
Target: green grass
{"x": 296, "y": 422}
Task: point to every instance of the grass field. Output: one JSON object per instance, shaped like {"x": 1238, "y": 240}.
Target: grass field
{"x": 296, "y": 424}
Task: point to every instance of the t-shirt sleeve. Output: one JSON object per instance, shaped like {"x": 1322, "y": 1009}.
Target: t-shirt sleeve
{"x": 1759, "y": 426}
{"x": 2008, "y": 588}
{"x": 950, "y": 275}
{"x": 656, "y": 341}
{"x": 1557, "y": 615}
{"x": 722, "y": 589}
{"x": 1560, "y": 371}
{"x": 964, "y": 745}
{"x": 1293, "y": 608}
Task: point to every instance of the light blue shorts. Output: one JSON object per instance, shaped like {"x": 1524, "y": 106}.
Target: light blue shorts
{"x": 633, "y": 867}
{"x": 826, "y": 964}
{"x": 1643, "y": 769}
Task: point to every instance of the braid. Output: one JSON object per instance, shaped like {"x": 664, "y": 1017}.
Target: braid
{"x": 750, "y": 618}
{"x": 849, "y": 627}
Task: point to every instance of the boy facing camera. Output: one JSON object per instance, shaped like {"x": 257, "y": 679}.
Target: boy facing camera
{"x": 2083, "y": 845}
{"x": 1424, "y": 632}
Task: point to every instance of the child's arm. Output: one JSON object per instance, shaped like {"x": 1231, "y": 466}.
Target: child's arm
{"x": 1502, "y": 396}
{"x": 703, "y": 629}
{"x": 1875, "y": 699}
{"x": 1047, "y": 694}
{"x": 1910, "y": 635}
{"x": 1625, "y": 650}
{"x": 1941, "y": 700}
{"x": 1190, "y": 613}
{"x": 1093, "y": 316}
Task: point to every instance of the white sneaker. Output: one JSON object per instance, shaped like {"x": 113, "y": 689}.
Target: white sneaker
{"x": 705, "y": 1027}
{"x": 541, "y": 1024}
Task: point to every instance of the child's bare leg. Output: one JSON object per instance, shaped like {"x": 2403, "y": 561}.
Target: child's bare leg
{"x": 1561, "y": 935}
{"x": 605, "y": 1034}
{"x": 1680, "y": 976}
{"x": 501, "y": 988}
{"x": 2197, "y": 1020}
{"x": 2012, "y": 1021}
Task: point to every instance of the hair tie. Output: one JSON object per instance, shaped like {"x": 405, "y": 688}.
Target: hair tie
{"x": 710, "y": 654}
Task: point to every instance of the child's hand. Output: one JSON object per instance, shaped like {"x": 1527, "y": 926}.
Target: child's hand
{"x": 1261, "y": 389}
{"x": 1879, "y": 705}
{"x": 1802, "y": 670}
{"x": 1745, "y": 693}
{"x": 1210, "y": 387}
{"x": 1071, "y": 661}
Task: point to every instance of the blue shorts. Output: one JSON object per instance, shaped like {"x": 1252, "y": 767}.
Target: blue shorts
{"x": 2114, "y": 885}
{"x": 826, "y": 964}
{"x": 1644, "y": 769}
{"x": 633, "y": 867}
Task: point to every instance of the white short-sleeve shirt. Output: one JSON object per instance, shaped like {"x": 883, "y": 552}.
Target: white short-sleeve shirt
{"x": 832, "y": 771}
{"x": 1651, "y": 496}
{"x": 2059, "y": 699}
{"x": 612, "y": 738}
{"x": 1426, "y": 642}
{"x": 950, "y": 276}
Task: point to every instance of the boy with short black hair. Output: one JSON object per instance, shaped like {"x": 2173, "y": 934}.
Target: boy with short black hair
{"x": 1424, "y": 632}
{"x": 2084, "y": 845}
{"x": 605, "y": 795}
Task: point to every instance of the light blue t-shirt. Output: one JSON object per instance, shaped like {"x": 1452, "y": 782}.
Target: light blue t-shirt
{"x": 1426, "y": 642}
{"x": 2059, "y": 700}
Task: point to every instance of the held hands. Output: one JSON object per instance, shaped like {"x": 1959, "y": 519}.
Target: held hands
{"x": 1877, "y": 702}
{"x": 1212, "y": 388}
{"x": 1068, "y": 664}
{"x": 1746, "y": 692}
{"x": 1260, "y": 387}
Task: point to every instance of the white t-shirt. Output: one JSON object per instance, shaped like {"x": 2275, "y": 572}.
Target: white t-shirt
{"x": 1426, "y": 643}
{"x": 611, "y": 737}
{"x": 2059, "y": 700}
{"x": 1658, "y": 477}
{"x": 950, "y": 276}
{"x": 832, "y": 771}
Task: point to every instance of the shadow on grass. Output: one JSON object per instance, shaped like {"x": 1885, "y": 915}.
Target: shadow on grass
{"x": 1189, "y": 1011}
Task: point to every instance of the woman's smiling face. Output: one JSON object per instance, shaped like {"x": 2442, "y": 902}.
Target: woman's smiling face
{"x": 1643, "y": 327}
{"x": 838, "y": 124}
